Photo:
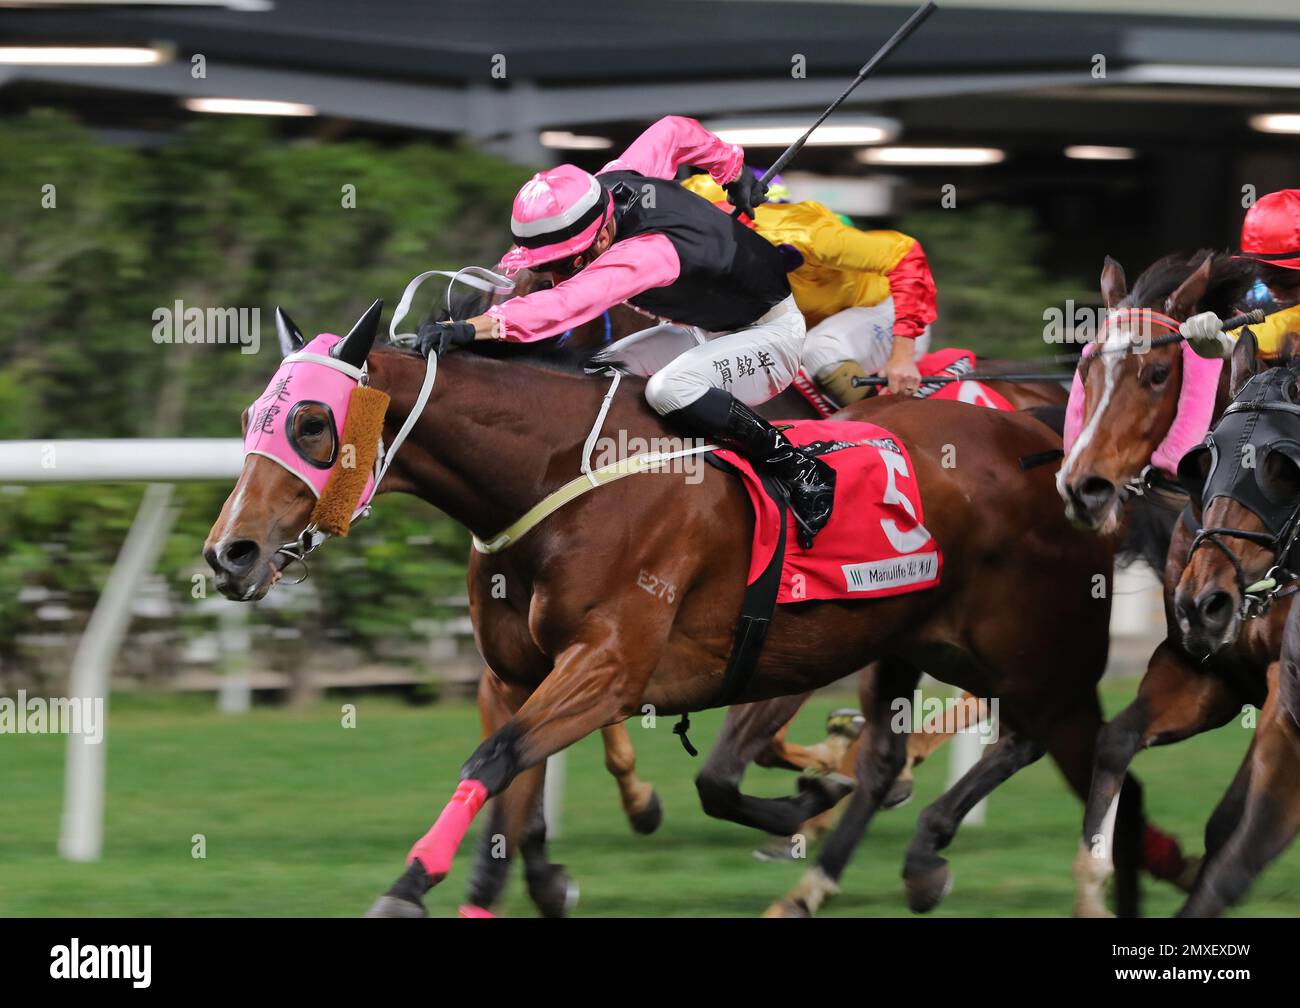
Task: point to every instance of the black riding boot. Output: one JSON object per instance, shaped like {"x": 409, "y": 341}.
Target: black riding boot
{"x": 809, "y": 481}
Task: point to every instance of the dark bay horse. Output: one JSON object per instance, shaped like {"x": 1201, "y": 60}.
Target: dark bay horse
{"x": 1246, "y": 485}
{"x": 575, "y": 644}
{"x": 1131, "y": 402}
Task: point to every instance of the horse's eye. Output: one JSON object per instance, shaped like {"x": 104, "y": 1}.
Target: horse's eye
{"x": 310, "y": 429}
{"x": 1158, "y": 375}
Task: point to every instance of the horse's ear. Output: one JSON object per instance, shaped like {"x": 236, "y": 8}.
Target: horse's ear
{"x": 1245, "y": 362}
{"x": 291, "y": 337}
{"x": 355, "y": 346}
{"x": 1181, "y": 304}
{"x": 1114, "y": 288}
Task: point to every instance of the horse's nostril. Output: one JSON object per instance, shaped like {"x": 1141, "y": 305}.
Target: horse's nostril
{"x": 1215, "y": 610}
{"x": 1095, "y": 491}
{"x": 238, "y": 556}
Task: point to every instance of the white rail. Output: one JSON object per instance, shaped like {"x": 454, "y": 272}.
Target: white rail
{"x": 148, "y": 460}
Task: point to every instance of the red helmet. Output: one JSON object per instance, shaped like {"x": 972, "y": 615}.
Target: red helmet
{"x": 1271, "y": 231}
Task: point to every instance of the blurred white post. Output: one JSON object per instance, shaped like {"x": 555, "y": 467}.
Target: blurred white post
{"x": 235, "y": 695}
{"x": 1130, "y": 607}
{"x": 967, "y": 748}
{"x": 553, "y": 793}
{"x": 81, "y": 835}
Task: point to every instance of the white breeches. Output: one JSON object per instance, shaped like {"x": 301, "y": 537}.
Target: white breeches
{"x": 753, "y": 364}
{"x": 865, "y": 335}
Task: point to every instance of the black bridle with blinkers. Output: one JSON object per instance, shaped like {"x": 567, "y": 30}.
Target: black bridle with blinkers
{"x": 1263, "y": 419}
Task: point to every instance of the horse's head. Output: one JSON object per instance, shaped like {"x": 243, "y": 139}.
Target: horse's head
{"x": 297, "y": 462}
{"x": 1131, "y": 379}
{"x": 1244, "y": 483}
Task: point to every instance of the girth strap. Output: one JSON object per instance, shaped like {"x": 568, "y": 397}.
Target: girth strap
{"x": 756, "y": 609}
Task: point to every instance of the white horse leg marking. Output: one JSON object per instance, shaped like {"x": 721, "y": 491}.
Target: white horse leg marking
{"x": 1093, "y": 865}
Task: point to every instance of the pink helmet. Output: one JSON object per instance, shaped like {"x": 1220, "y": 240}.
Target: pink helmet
{"x": 557, "y": 213}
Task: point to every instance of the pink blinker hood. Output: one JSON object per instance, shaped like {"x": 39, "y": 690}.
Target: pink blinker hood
{"x": 296, "y": 382}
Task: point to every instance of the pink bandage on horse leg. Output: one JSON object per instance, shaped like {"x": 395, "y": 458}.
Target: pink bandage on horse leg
{"x": 436, "y": 848}
{"x": 1195, "y": 410}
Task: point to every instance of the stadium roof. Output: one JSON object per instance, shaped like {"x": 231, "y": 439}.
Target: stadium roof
{"x": 563, "y": 41}
{"x": 1178, "y": 89}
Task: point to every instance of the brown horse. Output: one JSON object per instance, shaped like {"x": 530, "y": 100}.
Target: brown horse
{"x": 736, "y": 747}
{"x": 1145, "y": 395}
{"x": 1248, "y": 507}
{"x": 1260, "y": 814}
{"x": 575, "y": 644}
{"x": 1131, "y": 401}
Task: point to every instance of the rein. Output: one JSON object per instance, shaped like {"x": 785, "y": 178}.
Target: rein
{"x": 338, "y": 498}
{"x": 1149, "y": 315}
{"x": 317, "y": 531}
{"x": 589, "y": 479}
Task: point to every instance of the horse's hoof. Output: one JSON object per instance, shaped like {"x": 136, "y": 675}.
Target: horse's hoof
{"x": 1186, "y": 878}
{"x": 553, "y": 893}
{"x": 647, "y": 820}
{"x": 833, "y": 787}
{"x": 788, "y": 907}
{"x": 845, "y": 721}
{"x": 779, "y": 848}
{"x": 898, "y": 795}
{"x": 395, "y": 906}
{"x": 926, "y": 889}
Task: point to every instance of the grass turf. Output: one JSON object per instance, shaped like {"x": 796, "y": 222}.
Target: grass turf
{"x": 301, "y": 816}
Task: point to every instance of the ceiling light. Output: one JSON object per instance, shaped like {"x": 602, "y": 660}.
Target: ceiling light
{"x": 1276, "y": 122}
{"x": 83, "y": 55}
{"x": 931, "y": 156}
{"x": 1095, "y": 152}
{"x": 840, "y": 135}
{"x": 564, "y": 140}
{"x": 249, "y": 106}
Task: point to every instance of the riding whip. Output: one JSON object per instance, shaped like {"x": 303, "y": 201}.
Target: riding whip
{"x": 868, "y": 68}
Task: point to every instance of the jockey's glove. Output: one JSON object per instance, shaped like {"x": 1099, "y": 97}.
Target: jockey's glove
{"x": 439, "y": 337}
{"x": 1204, "y": 335}
{"x": 747, "y": 192}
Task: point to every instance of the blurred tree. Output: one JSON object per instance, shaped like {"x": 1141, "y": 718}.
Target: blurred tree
{"x": 993, "y": 286}
{"x": 226, "y": 216}
{"x": 222, "y": 217}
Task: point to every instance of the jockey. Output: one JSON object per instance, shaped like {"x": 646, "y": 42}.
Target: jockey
{"x": 868, "y": 296}
{"x": 1270, "y": 235}
{"x": 630, "y": 233}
